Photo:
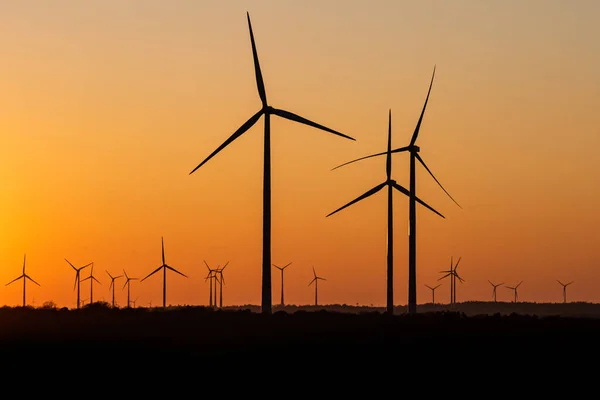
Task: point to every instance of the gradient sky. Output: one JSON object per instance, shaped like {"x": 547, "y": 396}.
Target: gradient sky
{"x": 106, "y": 106}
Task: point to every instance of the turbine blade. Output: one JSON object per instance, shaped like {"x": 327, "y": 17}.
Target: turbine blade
{"x": 286, "y": 265}
{"x": 259, "y": 79}
{"x": 109, "y": 275}
{"x": 14, "y": 280}
{"x": 458, "y": 262}
{"x": 418, "y": 127}
{"x": 359, "y": 198}
{"x": 209, "y": 270}
{"x": 71, "y": 264}
{"x": 402, "y": 189}
{"x": 174, "y": 270}
{"x": 560, "y": 282}
{"x": 127, "y": 277}
{"x": 111, "y": 284}
{"x": 125, "y": 284}
{"x": 162, "y": 241}
{"x": 302, "y": 120}
{"x": 32, "y": 280}
{"x": 86, "y": 265}
{"x": 24, "y": 257}
{"x": 434, "y": 178}
{"x": 314, "y": 279}
{"x": 94, "y": 278}
{"x": 491, "y": 283}
{"x": 569, "y": 283}
{"x": 445, "y": 276}
{"x": 247, "y": 125}
{"x": 388, "y": 161}
{"x": 438, "y": 286}
{"x": 429, "y": 287}
{"x": 314, "y": 273}
{"x": 85, "y": 279}
{"x": 227, "y": 263}
{"x": 152, "y": 273}
{"x": 279, "y": 268}
{"x": 371, "y": 156}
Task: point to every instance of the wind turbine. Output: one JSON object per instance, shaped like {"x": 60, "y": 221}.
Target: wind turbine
{"x": 128, "y": 280}
{"x": 112, "y": 286}
{"x": 495, "y": 286}
{"x": 413, "y": 150}
{"x": 515, "y": 289}
{"x": 267, "y": 111}
{"x": 433, "y": 292}
{"x": 391, "y": 184}
{"x": 77, "y": 279}
{"x": 164, "y": 267}
{"x": 23, "y": 276}
{"x": 221, "y": 281}
{"x": 451, "y": 273}
{"x": 92, "y": 278}
{"x": 316, "y": 280}
{"x": 211, "y": 277}
{"x": 134, "y": 301}
{"x": 564, "y": 285}
{"x": 282, "y": 269}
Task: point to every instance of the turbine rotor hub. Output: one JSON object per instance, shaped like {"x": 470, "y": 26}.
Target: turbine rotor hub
{"x": 414, "y": 148}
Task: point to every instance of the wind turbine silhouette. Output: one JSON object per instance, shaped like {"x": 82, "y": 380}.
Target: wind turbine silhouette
{"x": 112, "y": 286}
{"x": 564, "y": 285}
{"x": 23, "y": 276}
{"x": 391, "y": 184}
{"x": 453, "y": 275}
{"x": 211, "y": 277}
{"x": 77, "y": 279}
{"x": 92, "y": 278}
{"x": 495, "y": 286}
{"x": 267, "y": 111}
{"x": 134, "y": 301}
{"x": 515, "y": 289}
{"x": 413, "y": 150}
{"x": 282, "y": 269}
{"x": 221, "y": 281}
{"x": 433, "y": 292}
{"x": 164, "y": 267}
{"x": 316, "y": 280}
{"x": 127, "y": 283}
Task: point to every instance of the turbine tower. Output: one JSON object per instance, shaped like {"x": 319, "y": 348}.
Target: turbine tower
{"x": 78, "y": 280}
{"x": 282, "y": 269}
{"x": 266, "y": 111}
{"x": 391, "y": 185}
{"x": 164, "y": 267}
{"x": 494, "y": 291}
{"x": 433, "y": 292}
{"x": 24, "y": 276}
{"x": 112, "y": 286}
{"x": 453, "y": 275}
{"x": 128, "y": 280}
{"x": 316, "y": 280}
{"x": 515, "y": 290}
{"x": 564, "y": 285}
{"x": 92, "y": 278}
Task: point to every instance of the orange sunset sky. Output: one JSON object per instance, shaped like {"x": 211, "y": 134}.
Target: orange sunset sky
{"x": 106, "y": 106}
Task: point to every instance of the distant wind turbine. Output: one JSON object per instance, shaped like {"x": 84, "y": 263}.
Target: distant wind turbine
{"x": 564, "y": 285}
{"x": 391, "y": 184}
{"x": 515, "y": 290}
{"x": 92, "y": 278}
{"x": 77, "y": 279}
{"x": 164, "y": 267}
{"x": 128, "y": 280}
{"x": 316, "y": 280}
{"x": 282, "y": 269}
{"x": 23, "y": 276}
{"x": 494, "y": 291}
{"x": 413, "y": 150}
{"x": 221, "y": 282}
{"x": 453, "y": 275}
{"x": 211, "y": 277}
{"x": 134, "y": 301}
{"x": 112, "y": 286}
{"x": 267, "y": 111}
{"x": 433, "y": 292}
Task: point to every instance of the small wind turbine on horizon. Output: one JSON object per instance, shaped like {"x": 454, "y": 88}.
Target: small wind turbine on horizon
{"x": 221, "y": 281}
{"x": 134, "y": 301}
{"x": 316, "y": 280}
{"x": 78, "y": 280}
{"x": 494, "y": 291}
{"x": 24, "y": 276}
{"x": 391, "y": 184}
{"x": 515, "y": 290}
{"x": 282, "y": 269}
{"x": 433, "y": 292}
{"x": 164, "y": 267}
{"x": 564, "y": 285}
{"x": 127, "y": 283}
{"x": 266, "y": 111}
{"x": 92, "y": 278}
{"x": 211, "y": 276}
{"x": 112, "y": 286}
{"x": 453, "y": 275}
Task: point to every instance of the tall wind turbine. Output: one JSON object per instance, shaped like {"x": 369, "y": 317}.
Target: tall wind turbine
{"x": 92, "y": 278}
{"x": 128, "y": 280}
{"x": 164, "y": 267}
{"x": 221, "y": 282}
{"x": 211, "y": 277}
{"x": 433, "y": 292}
{"x": 564, "y": 285}
{"x": 267, "y": 111}
{"x": 316, "y": 280}
{"x": 23, "y": 276}
{"x": 413, "y": 150}
{"x": 112, "y": 286}
{"x": 391, "y": 184}
{"x": 494, "y": 292}
{"x": 515, "y": 290}
{"x": 282, "y": 269}
{"x": 453, "y": 275}
{"x": 77, "y": 280}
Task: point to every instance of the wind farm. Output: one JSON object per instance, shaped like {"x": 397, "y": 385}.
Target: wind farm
{"x": 100, "y": 137}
